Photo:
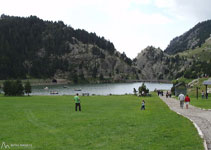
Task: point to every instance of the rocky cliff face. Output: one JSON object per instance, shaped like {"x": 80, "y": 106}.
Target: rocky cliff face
{"x": 158, "y": 65}
{"x": 92, "y": 64}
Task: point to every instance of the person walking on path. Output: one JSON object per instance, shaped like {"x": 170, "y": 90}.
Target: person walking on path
{"x": 187, "y": 101}
{"x": 167, "y": 94}
{"x": 170, "y": 94}
{"x": 77, "y": 102}
{"x": 197, "y": 115}
{"x": 181, "y": 99}
{"x": 143, "y": 105}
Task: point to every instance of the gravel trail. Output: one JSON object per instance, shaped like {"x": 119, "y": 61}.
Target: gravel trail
{"x": 202, "y": 118}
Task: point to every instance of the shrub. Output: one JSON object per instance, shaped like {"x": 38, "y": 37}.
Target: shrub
{"x": 27, "y": 88}
{"x": 13, "y": 88}
{"x": 134, "y": 91}
{"x": 143, "y": 91}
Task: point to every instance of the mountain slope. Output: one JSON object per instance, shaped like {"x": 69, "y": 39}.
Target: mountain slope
{"x": 157, "y": 65}
{"x": 33, "y": 48}
{"x": 193, "y": 38}
{"x": 201, "y": 61}
{"x": 187, "y": 55}
{"x": 202, "y": 53}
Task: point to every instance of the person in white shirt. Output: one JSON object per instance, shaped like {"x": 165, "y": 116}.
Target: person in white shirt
{"x": 181, "y": 99}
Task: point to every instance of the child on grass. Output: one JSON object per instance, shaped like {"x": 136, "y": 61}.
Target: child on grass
{"x": 143, "y": 105}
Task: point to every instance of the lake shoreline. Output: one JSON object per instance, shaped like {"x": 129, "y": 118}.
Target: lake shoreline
{"x": 96, "y": 88}
{"x": 46, "y": 82}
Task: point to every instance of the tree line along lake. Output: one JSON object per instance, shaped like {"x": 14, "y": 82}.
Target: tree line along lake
{"x": 96, "y": 89}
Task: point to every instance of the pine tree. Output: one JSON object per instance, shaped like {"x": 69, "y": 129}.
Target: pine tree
{"x": 19, "y": 88}
{"x": 27, "y": 88}
{"x": 7, "y": 87}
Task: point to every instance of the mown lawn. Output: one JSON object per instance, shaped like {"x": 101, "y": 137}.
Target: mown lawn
{"x": 201, "y": 103}
{"x": 105, "y": 123}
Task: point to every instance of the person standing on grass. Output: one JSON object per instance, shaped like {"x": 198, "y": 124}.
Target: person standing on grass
{"x": 143, "y": 105}
{"x": 77, "y": 102}
{"x": 202, "y": 94}
{"x": 187, "y": 101}
{"x": 181, "y": 99}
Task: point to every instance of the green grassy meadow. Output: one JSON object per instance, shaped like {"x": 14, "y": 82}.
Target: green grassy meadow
{"x": 201, "y": 103}
{"x": 105, "y": 123}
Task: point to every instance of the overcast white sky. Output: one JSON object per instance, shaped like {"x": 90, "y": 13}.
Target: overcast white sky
{"x": 131, "y": 25}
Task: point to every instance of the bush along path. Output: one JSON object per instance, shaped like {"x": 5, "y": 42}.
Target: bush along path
{"x": 200, "y": 118}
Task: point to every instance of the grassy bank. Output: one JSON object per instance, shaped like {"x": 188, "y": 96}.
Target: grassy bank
{"x": 202, "y": 103}
{"x": 105, "y": 123}
{"x": 192, "y": 92}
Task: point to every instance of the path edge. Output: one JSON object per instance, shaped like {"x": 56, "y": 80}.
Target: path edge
{"x": 195, "y": 125}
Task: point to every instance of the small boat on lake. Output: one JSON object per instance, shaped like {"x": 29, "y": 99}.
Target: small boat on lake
{"x": 54, "y": 92}
{"x": 78, "y": 89}
{"x": 46, "y": 88}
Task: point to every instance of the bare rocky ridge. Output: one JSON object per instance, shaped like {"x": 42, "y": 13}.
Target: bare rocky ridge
{"x": 158, "y": 65}
{"x": 87, "y": 63}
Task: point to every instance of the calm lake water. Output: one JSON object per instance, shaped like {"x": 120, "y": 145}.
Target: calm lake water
{"x": 98, "y": 89}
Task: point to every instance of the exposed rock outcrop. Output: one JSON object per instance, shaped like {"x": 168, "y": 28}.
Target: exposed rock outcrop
{"x": 157, "y": 65}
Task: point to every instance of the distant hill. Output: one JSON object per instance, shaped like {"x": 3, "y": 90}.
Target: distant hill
{"x": 201, "y": 60}
{"x": 155, "y": 64}
{"x": 191, "y": 39}
{"x": 33, "y": 48}
{"x": 188, "y": 55}
{"x": 202, "y": 53}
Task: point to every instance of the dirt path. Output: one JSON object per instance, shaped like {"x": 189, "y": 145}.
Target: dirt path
{"x": 202, "y": 118}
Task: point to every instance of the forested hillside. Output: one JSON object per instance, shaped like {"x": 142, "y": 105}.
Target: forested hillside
{"x": 33, "y": 48}
{"x": 191, "y": 39}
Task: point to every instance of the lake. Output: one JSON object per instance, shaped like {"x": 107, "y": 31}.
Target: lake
{"x": 97, "y": 89}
